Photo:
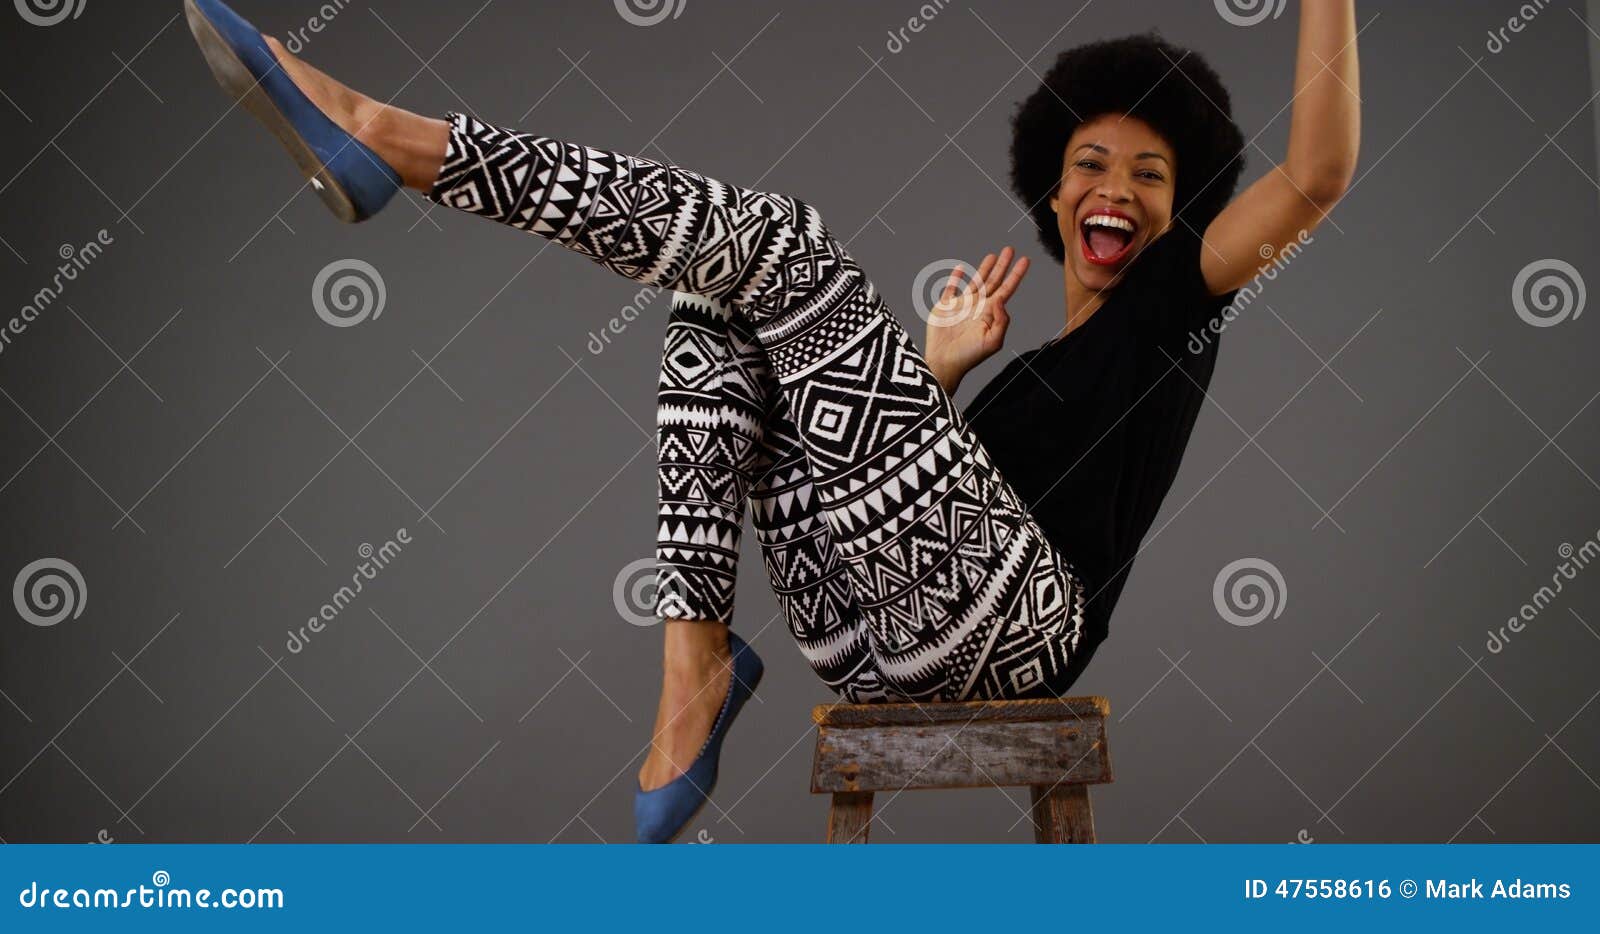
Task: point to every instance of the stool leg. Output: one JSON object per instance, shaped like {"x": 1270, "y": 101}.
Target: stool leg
{"x": 849, "y": 817}
{"x": 1061, "y": 814}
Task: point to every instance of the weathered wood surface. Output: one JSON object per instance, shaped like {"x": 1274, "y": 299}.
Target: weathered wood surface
{"x": 1061, "y": 814}
{"x": 850, "y": 817}
{"x": 1050, "y": 708}
{"x": 961, "y": 753}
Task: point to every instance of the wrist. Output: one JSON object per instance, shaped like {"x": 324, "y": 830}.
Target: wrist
{"x": 949, "y": 375}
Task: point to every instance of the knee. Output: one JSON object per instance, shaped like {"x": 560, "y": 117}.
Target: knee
{"x": 804, "y": 255}
{"x": 811, "y": 229}
{"x": 813, "y": 253}
{"x": 802, "y": 218}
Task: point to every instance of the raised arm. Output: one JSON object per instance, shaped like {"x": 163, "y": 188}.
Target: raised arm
{"x": 1324, "y": 135}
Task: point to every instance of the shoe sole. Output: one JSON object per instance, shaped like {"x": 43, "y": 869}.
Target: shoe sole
{"x": 239, "y": 83}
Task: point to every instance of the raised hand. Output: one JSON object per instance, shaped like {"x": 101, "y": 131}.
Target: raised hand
{"x": 969, "y": 322}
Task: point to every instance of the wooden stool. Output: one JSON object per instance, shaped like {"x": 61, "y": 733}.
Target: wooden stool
{"x": 1057, "y": 747}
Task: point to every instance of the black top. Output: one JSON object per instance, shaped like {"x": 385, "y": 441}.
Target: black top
{"x": 1090, "y": 429}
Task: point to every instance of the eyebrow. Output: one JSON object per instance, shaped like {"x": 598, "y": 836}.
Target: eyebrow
{"x": 1143, "y": 155}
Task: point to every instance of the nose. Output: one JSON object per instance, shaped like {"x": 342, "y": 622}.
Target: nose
{"x": 1115, "y": 188}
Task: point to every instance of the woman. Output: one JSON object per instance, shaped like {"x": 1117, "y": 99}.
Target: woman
{"x": 912, "y": 559}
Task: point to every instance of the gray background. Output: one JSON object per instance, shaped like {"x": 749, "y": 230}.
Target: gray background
{"x": 1382, "y": 428}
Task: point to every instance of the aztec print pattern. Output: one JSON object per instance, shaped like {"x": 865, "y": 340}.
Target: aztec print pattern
{"x": 960, "y": 593}
{"x": 724, "y": 438}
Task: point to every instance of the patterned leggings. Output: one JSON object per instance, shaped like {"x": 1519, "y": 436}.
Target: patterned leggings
{"x": 906, "y": 566}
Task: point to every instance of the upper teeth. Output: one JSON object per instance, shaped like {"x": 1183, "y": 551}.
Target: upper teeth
{"x": 1107, "y": 220}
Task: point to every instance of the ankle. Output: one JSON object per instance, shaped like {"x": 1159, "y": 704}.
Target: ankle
{"x": 413, "y": 145}
{"x": 695, "y": 647}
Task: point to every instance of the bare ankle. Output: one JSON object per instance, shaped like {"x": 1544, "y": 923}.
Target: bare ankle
{"x": 695, "y": 645}
{"x": 413, "y": 145}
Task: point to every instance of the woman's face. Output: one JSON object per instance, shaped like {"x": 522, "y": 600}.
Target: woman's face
{"x": 1115, "y": 195}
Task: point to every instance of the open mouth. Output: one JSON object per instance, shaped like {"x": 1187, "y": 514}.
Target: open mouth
{"x": 1107, "y": 237}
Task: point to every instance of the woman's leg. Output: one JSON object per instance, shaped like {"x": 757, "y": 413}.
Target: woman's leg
{"x": 810, "y": 581}
{"x": 411, "y": 144}
{"x": 708, "y": 423}
{"x": 724, "y": 438}
{"x": 705, "y": 431}
{"x": 958, "y": 582}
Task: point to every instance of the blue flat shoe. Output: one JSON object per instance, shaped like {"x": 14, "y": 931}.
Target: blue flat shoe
{"x": 351, "y": 179}
{"x": 661, "y": 814}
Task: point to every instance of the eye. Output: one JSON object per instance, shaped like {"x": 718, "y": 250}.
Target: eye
{"x": 1088, "y": 165}
{"x": 1153, "y": 175}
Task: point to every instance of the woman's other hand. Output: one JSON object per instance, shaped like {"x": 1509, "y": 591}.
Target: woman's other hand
{"x": 969, "y": 322}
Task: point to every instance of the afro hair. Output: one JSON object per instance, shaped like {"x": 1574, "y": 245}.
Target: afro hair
{"x": 1171, "y": 89}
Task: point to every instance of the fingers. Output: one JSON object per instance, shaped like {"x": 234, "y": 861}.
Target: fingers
{"x": 1007, "y": 286}
{"x": 951, "y": 285}
{"x": 997, "y": 277}
{"x": 992, "y": 273}
{"x": 984, "y": 270}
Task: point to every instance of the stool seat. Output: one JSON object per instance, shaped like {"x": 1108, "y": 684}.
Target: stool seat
{"x": 1055, "y": 746}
